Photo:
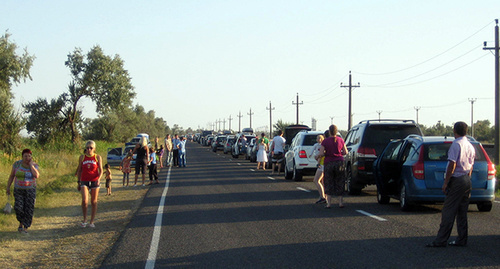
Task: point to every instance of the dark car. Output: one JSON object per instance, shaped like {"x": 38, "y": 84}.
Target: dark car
{"x": 365, "y": 141}
{"x": 218, "y": 142}
{"x": 412, "y": 170}
{"x": 228, "y": 143}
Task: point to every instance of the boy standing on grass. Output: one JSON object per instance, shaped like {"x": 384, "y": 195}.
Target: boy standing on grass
{"x": 107, "y": 174}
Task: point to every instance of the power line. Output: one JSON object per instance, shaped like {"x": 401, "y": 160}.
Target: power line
{"x": 430, "y": 59}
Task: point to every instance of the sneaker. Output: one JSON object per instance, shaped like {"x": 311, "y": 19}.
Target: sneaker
{"x": 83, "y": 224}
{"x": 92, "y": 225}
{"x": 143, "y": 185}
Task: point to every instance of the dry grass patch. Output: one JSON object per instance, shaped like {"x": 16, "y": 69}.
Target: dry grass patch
{"x": 55, "y": 239}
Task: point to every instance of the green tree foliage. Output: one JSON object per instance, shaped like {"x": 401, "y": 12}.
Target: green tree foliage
{"x": 14, "y": 69}
{"x": 48, "y": 120}
{"x": 96, "y": 76}
{"x": 280, "y": 125}
{"x": 482, "y": 131}
{"x": 120, "y": 127}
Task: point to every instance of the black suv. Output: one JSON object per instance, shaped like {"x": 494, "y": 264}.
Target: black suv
{"x": 365, "y": 141}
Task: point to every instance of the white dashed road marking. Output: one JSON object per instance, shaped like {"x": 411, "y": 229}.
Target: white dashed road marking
{"x": 153, "y": 250}
{"x": 271, "y": 178}
{"x": 497, "y": 202}
{"x": 302, "y": 189}
{"x": 371, "y": 215}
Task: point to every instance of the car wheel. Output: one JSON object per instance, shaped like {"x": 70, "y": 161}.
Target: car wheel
{"x": 297, "y": 174}
{"x": 351, "y": 189}
{"x": 382, "y": 199}
{"x": 484, "y": 206}
{"x": 404, "y": 205}
{"x": 288, "y": 175}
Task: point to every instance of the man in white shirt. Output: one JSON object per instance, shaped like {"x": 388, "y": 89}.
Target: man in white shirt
{"x": 277, "y": 151}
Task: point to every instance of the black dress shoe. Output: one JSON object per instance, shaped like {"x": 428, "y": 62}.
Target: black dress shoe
{"x": 454, "y": 244}
{"x": 434, "y": 245}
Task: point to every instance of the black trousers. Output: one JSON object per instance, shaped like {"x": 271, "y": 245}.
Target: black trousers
{"x": 153, "y": 172}
{"x": 24, "y": 205}
{"x": 176, "y": 157}
{"x": 456, "y": 205}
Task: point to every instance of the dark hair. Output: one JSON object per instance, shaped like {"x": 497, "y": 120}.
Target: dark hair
{"x": 333, "y": 130}
{"x": 280, "y": 132}
{"x": 26, "y": 151}
{"x": 460, "y": 128}
{"x": 263, "y": 134}
{"x": 106, "y": 166}
{"x": 327, "y": 134}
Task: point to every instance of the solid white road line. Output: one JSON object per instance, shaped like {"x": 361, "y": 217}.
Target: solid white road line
{"x": 371, "y": 215}
{"x": 153, "y": 250}
{"x": 302, "y": 189}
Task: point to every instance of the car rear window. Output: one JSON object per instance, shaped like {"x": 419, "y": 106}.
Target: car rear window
{"x": 439, "y": 152}
{"x": 309, "y": 140}
{"x": 378, "y": 136}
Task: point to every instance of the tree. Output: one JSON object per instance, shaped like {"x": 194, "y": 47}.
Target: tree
{"x": 13, "y": 70}
{"x": 96, "y": 76}
{"x": 280, "y": 125}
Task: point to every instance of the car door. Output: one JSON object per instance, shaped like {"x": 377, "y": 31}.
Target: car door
{"x": 388, "y": 168}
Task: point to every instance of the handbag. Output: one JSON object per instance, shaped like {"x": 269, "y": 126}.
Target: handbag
{"x": 7, "y": 208}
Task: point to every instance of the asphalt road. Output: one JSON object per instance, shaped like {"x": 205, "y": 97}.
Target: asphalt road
{"x": 221, "y": 213}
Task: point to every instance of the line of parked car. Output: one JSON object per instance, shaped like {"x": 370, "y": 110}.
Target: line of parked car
{"x": 391, "y": 154}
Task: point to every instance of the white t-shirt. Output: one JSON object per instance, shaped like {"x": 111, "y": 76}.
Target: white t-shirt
{"x": 278, "y": 142}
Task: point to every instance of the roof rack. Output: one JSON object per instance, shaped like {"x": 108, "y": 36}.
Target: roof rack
{"x": 387, "y": 120}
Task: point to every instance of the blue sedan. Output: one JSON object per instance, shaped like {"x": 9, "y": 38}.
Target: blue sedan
{"x": 412, "y": 170}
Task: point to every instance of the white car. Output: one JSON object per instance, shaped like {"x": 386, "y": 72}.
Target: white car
{"x": 298, "y": 159}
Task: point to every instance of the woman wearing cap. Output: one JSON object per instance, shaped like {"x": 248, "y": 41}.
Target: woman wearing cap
{"x": 89, "y": 174}
{"x": 25, "y": 172}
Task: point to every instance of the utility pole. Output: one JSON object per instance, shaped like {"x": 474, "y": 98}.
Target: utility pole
{"x": 297, "y": 104}
{"x": 379, "y": 112}
{"x": 270, "y": 108}
{"x": 497, "y": 95}
{"x": 417, "y": 108}
{"x": 230, "y": 119}
{"x": 223, "y": 125}
{"x": 239, "y": 122}
{"x": 331, "y": 120}
{"x": 472, "y": 100}
{"x": 250, "y": 114}
{"x": 350, "y": 86}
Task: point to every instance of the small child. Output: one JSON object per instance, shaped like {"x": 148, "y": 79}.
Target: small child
{"x": 107, "y": 173}
{"x": 125, "y": 167}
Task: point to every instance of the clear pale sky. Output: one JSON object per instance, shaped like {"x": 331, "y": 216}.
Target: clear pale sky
{"x": 195, "y": 62}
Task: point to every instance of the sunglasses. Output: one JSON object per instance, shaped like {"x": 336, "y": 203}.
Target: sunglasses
{"x": 89, "y": 147}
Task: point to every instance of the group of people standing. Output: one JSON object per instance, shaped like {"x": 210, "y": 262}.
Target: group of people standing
{"x": 276, "y": 149}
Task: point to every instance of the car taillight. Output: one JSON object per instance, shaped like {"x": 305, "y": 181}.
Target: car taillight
{"x": 302, "y": 154}
{"x": 367, "y": 152}
{"x": 492, "y": 171}
{"x": 418, "y": 168}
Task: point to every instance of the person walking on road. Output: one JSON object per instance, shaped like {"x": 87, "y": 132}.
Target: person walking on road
{"x": 181, "y": 146}
{"x": 175, "y": 145}
{"x": 24, "y": 174}
{"x": 277, "y": 151}
{"x": 89, "y": 174}
{"x": 457, "y": 188}
{"x": 261, "y": 154}
{"x": 168, "y": 150}
{"x": 142, "y": 159}
{"x": 318, "y": 177}
{"x": 334, "y": 149}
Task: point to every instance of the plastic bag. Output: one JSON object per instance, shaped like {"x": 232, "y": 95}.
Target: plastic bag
{"x": 8, "y": 208}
